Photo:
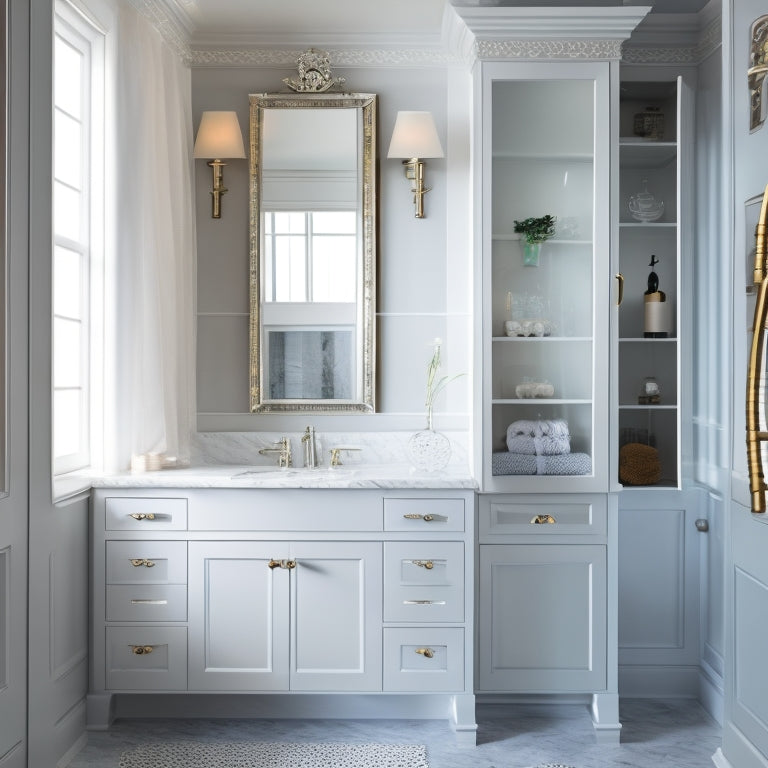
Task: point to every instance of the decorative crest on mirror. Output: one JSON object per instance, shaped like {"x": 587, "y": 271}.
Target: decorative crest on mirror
{"x": 314, "y": 73}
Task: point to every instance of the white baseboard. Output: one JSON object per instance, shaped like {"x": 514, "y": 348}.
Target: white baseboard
{"x": 649, "y": 682}
{"x": 711, "y": 694}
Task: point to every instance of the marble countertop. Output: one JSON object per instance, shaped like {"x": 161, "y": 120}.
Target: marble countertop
{"x": 357, "y": 476}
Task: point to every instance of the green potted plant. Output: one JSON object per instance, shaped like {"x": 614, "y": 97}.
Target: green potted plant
{"x": 535, "y": 230}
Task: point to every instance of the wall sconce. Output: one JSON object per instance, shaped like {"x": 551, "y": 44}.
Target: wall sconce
{"x": 219, "y": 136}
{"x": 415, "y": 137}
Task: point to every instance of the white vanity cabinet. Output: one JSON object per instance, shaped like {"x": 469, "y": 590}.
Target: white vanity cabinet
{"x": 266, "y": 590}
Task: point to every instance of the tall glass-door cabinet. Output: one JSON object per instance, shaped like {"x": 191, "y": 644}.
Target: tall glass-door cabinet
{"x": 546, "y": 303}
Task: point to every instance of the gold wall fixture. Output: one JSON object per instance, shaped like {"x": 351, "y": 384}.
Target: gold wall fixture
{"x": 219, "y": 137}
{"x": 758, "y": 69}
{"x": 414, "y": 138}
{"x": 755, "y": 373}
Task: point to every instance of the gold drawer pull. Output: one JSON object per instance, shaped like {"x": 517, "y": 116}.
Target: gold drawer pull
{"x": 141, "y": 650}
{"x": 423, "y": 602}
{"x": 542, "y": 520}
{"x": 288, "y": 564}
{"x": 428, "y": 653}
{"x": 137, "y": 562}
{"x": 414, "y": 516}
{"x": 142, "y": 516}
{"x": 428, "y": 564}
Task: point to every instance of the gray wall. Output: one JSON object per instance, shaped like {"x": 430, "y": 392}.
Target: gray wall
{"x": 424, "y": 275}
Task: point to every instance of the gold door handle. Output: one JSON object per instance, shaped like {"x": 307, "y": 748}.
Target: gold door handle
{"x": 425, "y": 518}
{"x": 428, "y": 564}
{"x": 139, "y": 561}
{"x": 542, "y": 520}
{"x": 141, "y": 650}
{"x": 620, "y": 297}
{"x": 288, "y": 564}
{"x": 423, "y": 602}
{"x": 142, "y": 516}
{"x": 428, "y": 653}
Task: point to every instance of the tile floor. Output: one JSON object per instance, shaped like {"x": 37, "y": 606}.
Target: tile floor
{"x": 656, "y": 734}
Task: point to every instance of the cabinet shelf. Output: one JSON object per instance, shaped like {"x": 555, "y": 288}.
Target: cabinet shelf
{"x": 533, "y": 157}
{"x": 554, "y": 241}
{"x": 540, "y": 339}
{"x": 538, "y": 401}
{"x": 643, "y": 340}
{"x": 649, "y": 155}
{"x": 659, "y": 407}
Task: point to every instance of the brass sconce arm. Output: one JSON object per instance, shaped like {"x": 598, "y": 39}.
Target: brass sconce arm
{"x": 218, "y": 187}
{"x": 414, "y": 172}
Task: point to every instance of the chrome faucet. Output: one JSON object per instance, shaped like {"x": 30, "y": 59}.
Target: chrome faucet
{"x": 283, "y": 448}
{"x": 310, "y": 448}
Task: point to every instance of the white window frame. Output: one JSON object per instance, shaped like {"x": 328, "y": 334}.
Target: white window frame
{"x": 78, "y": 31}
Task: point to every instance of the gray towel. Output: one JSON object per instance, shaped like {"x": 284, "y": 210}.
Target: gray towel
{"x": 505, "y": 463}
{"x": 539, "y": 438}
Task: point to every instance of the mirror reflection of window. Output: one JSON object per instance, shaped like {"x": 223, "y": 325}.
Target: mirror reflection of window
{"x": 310, "y": 256}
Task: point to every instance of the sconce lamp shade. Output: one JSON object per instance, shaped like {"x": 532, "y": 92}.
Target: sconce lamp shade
{"x": 415, "y": 135}
{"x": 219, "y": 136}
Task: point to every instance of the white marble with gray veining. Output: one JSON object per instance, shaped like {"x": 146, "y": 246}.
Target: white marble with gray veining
{"x": 232, "y": 460}
{"x": 656, "y": 734}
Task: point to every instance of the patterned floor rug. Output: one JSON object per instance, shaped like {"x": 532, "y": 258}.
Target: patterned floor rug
{"x": 189, "y": 754}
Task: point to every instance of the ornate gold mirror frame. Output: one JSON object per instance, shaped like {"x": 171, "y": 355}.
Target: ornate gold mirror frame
{"x": 358, "y": 390}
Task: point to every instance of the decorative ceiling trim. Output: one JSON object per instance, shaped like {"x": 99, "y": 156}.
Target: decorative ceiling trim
{"x": 266, "y": 57}
{"x": 708, "y": 41}
{"x": 169, "y": 27}
{"x": 548, "y": 49}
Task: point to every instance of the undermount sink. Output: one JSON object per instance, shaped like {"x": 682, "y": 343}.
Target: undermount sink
{"x": 321, "y": 473}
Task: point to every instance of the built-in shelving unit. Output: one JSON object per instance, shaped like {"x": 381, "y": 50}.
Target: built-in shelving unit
{"x": 650, "y": 164}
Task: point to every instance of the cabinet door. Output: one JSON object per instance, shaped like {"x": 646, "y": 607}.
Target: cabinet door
{"x": 336, "y": 598}
{"x": 542, "y": 618}
{"x": 238, "y": 616}
{"x": 545, "y": 137}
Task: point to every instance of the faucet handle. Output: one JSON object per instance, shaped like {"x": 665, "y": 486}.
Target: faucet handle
{"x": 336, "y": 453}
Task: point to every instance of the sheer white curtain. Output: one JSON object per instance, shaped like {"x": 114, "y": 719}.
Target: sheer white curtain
{"x": 155, "y": 231}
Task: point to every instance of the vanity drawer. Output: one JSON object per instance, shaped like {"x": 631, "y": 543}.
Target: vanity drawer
{"x": 146, "y": 562}
{"x": 424, "y": 581}
{"x": 146, "y": 658}
{"x": 579, "y": 515}
{"x": 136, "y": 514}
{"x": 146, "y": 602}
{"x": 424, "y": 659}
{"x": 433, "y": 515}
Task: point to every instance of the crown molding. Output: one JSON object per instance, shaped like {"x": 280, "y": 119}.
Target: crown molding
{"x": 674, "y": 39}
{"x": 168, "y": 24}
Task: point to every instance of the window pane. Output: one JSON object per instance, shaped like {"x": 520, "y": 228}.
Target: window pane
{"x": 67, "y": 353}
{"x": 66, "y": 283}
{"x": 334, "y": 273}
{"x": 67, "y": 153}
{"x": 290, "y": 269}
{"x": 66, "y": 211}
{"x": 68, "y": 415}
{"x": 334, "y": 222}
{"x": 293, "y": 223}
{"x": 67, "y": 77}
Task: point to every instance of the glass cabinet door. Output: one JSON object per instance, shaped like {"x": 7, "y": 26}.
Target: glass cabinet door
{"x": 546, "y": 155}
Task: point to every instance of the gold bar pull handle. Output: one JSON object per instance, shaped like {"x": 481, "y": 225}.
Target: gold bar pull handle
{"x": 620, "y": 297}
{"x": 287, "y": 564}
{"x": 427, "y": 653}
{"x": 142, "y": 650}
{"x": 428, "y": 564}
{"x": 543, "y": 520}
{"x": 142, "y": 516}
{"x": 414, "y": 516}
{"x": 273, "y": 564}
{"x": 137, "y": 562}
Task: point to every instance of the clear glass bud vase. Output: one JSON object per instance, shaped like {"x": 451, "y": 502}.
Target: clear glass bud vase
{"x": 430, "y": 451}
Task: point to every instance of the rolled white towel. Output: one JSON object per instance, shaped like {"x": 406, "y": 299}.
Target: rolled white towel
{"x": 542, "y": 438}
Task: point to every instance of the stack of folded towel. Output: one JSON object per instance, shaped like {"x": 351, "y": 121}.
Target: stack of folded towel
{"x": 540, "y": 447}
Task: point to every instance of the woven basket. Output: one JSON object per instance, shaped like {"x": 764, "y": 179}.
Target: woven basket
{"x": 639, "y": 464}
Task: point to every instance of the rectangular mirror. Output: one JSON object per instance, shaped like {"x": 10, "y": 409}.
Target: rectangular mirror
{"x": 312, "y": 252}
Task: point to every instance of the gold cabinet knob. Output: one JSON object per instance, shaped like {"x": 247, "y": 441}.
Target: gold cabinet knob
{"x": 414, "y": 516}
{"x": 287, "y": 564}
{"x": 542, "y": 520}
{"x": 428, "y": 564}
{"x": 142, "y": 516}
{"x": 141, "y": 650}
{"x": 139, "y": 561}
{"x": 426, "y": 652}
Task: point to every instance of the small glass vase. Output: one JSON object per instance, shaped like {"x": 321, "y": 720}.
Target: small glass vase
{"x": 430, "y": 451}
{"x": 531, "y": 253}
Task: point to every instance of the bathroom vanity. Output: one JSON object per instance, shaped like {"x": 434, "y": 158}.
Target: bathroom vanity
{"x": 332, "y": 583}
